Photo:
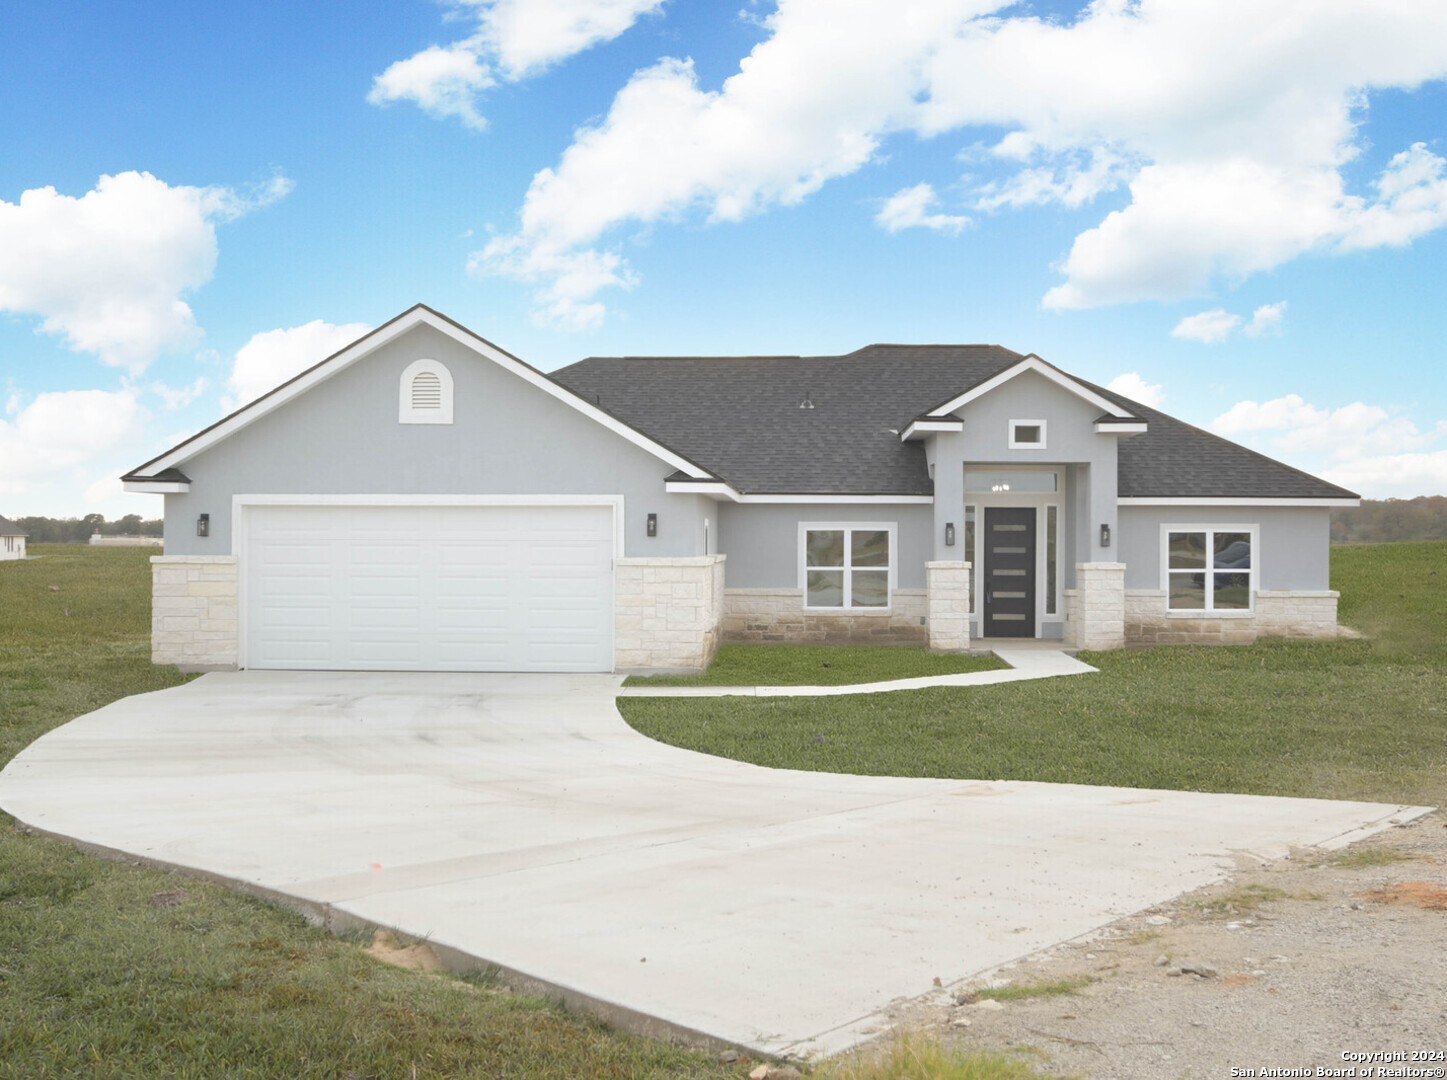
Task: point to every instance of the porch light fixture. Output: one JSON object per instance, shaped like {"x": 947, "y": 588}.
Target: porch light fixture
{"x": 1105, "y": 536}
{"x": 949, "y": 534}
{"x": 652, "y": 524}
{"x": 203, "y": 525}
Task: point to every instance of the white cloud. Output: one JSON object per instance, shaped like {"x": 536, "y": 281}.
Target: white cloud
{"x": 513, "y": 40}
{"x": 1131, "y": 385}
{"x": 1231, "y": 151}
{"x": 57, "y": 433}
{"x": 1266, "y": 318}
{"x": 108, "y": 270}
{"x": 274, "y": 356}
{"x": 179, "y": 398}
{"x": 443, "y": 82}
{"x": 909, "y": 209}
{"x": 1208, "y": 327}
{"x": 1365, "y": 448}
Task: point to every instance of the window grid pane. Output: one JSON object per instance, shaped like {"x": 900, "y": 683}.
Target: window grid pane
{"x": 825, "y": 588}
{"x": 1190, "y": 584}
{"x": 824, "y": 547}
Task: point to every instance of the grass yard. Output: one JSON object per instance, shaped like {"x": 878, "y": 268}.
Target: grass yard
{"x": 818, "y": 665}
{"x": 1345, "y": 719}
{"x": 113, "y": 971}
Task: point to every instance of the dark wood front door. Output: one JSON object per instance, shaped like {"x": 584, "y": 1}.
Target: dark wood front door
{"x": 1009, "y": 573}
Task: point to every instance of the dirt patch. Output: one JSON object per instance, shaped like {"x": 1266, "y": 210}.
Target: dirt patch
{"x": 1287, "y": 965}
{"x": 1422, "y": 893}
{"x": 420, "y": 957}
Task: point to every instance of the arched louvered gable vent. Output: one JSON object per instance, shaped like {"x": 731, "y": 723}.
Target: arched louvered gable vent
{"x": 426, "y": 394}
{"x": 426, "y": 390}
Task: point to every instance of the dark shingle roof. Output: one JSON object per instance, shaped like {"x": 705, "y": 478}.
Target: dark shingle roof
{"x": 9, "y": 528}
{"x": 740, "y": 417}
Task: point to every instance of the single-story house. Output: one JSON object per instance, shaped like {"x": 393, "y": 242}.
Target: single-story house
{"x": 424, "y": 500}
{"x": 12, "y": 540}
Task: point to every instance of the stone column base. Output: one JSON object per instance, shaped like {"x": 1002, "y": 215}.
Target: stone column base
{"x": 949, "y": 606}
{"x": 193, "y": 611}
{"x": 666, "y": 614}
{"x": 1095, "y": 608}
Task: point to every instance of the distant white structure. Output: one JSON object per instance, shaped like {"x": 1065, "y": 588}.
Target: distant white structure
{"x": 97, "y": 540}
{"x": 12, "y": 540}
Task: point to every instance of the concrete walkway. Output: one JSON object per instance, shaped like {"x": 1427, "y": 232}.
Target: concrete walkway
{"x": 517, "y": 820}
{"x": 1025, "y": 663}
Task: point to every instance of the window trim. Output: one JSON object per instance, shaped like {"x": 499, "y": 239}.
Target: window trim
{"x": 802, "y": 559}
{"x": 1015, "y": 444}
{"x": 1210, "y": 529}
{"x": 406, "y": 413}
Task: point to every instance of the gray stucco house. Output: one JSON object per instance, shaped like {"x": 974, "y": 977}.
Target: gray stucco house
{"x": 424, "y": 500}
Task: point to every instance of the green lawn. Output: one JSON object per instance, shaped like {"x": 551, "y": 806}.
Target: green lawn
{"x": 1363, "y": 719}
{"x": 818, "y": 665}
{"x": 98, "y": 982}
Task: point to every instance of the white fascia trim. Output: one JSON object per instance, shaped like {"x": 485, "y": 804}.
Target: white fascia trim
{"x": 842, "y": 500}
{"x": 1119, "y": 427}
{"x": 1187, "y": 500}
{"x": 714, "y": 488}
{"x": 918, "y": 428}
{"x": 1040, "y": 367}
{"x": 156, "y": 487}
{"x": 369, "y": 344}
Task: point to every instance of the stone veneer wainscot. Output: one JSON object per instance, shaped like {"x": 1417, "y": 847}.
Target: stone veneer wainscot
{"x": 193, "y": 611}
{"x": 778, "y": 615}
{"x": 1279, "y": 613}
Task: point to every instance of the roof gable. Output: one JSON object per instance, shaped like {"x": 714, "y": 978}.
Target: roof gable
{"x": 1040, "y": 367}
{"x": 364, "y": 346}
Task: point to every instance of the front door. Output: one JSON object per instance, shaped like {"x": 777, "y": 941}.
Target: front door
{"x": 1009, "y": 573}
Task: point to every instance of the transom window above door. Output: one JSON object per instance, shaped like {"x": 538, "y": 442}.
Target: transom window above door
{"x": 846, "y": 565}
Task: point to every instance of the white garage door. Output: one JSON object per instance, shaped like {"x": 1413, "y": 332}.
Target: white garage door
{"x": 429, "y": 588}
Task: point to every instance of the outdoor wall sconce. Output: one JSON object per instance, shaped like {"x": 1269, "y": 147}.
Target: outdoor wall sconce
{"x": 203, "y": 525}
{"x": 652, "y": 524}
{"x": 949, "y": 534}
{"x": 1105, "y": 536}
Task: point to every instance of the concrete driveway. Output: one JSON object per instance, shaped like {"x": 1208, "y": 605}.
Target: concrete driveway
{"x": 518, "y": 820}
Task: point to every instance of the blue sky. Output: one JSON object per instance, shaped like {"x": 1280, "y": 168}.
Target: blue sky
{"x": 1233, "y": 209}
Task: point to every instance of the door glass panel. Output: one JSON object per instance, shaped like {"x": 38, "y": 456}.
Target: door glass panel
{"x": 825, "y": 547}
{"x": 1233, "y": 592}
{"x": 1050, "y": 529}
{"x": 869, "y": 548}
{"x": 825, "y": 588}
{"x": 870, "y": 588}
{"x": 1187, "y": 551}
{"x": 1233, "y": 551}
{"x": 1188, "y": 592}
{"x": 1010, "y": 481}
{"x": 970, "y": 554}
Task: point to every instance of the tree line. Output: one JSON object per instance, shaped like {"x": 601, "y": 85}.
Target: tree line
{"x": 44, "y": 530}
{"x": 1383, "y": 520}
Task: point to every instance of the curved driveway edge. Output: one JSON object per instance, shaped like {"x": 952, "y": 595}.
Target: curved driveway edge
{"x": 518, "y": 820}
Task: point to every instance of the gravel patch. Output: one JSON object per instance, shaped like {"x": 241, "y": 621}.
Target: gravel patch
{"x": 1285, "y": 966}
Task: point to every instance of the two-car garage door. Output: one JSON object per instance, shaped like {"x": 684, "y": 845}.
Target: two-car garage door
{"x": 429, "y": 588}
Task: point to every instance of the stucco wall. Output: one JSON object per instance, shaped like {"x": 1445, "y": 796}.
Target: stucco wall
{"x": 1070, "y": 440}
{"x": 1294, "y": 549}
{"x": 762, "y": 539}
{"x": 342, "y": 437}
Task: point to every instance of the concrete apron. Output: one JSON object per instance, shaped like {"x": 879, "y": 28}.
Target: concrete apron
{"x": 516, "y": 820}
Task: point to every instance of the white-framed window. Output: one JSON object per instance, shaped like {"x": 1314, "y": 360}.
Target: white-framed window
{"x": 1027, "y": 434}
{"x": 1210, "y": 567}
{"x": 847, "y": 565}
{"x": 425, "y": 394}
